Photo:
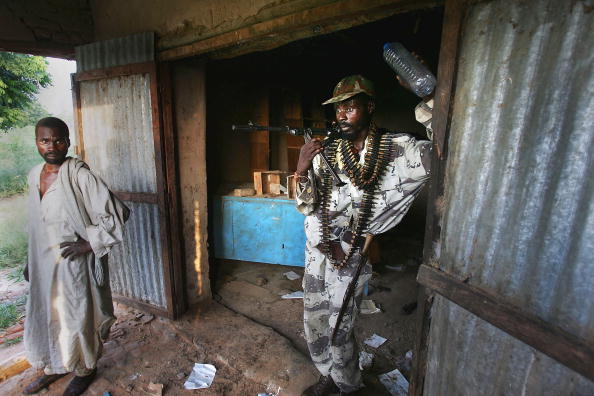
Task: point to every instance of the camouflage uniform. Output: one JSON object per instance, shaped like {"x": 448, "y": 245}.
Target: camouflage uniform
{"x": 324, "y": 286}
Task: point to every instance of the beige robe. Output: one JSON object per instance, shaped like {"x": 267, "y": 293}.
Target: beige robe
{"x": 69, "y": 309}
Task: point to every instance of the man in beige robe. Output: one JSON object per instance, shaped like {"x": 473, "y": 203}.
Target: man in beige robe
{"x": 74, "y": 221}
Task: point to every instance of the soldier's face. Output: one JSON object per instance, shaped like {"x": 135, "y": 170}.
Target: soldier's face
{"x": 353, "y": 116}
{"x": 52, "y": 144}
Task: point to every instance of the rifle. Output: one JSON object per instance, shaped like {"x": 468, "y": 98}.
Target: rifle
{"x": 307, "y": 133}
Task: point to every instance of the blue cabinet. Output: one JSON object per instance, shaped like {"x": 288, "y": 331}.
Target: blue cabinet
{"x": 264, "y": 230}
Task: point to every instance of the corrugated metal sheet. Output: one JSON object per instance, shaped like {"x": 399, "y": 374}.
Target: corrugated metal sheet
{"x": 118, "y": 143}
{"x": 136, "y": 48}
{"x": 118, "y": 131}
{"x": 519, "y": 216}
{"x": 135, "y": 265}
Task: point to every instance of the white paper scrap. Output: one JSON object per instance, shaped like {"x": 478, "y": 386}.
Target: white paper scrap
{"x": 201, "y": 376}
{"x": 395, "y": 383}
{"x": 368, "y": 307}
{"x": 365, "y": 360}
{"x": 292, "y": 275}
{"x": 375, "y": 341}
{"x": 297, "y": 294}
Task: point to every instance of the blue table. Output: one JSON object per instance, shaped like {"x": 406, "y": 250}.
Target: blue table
{"x": 264, "y": 230}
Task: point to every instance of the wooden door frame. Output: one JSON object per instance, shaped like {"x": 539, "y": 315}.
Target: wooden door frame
{"x": 167, "y": 195}
{"x": 572, "y": 351}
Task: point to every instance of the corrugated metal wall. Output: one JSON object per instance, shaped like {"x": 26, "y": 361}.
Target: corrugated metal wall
{"x": 118, "y": 131}
{"x": 136, "y": 48}
{"x": 519, "y": 218}
{"x": 118, "y": 142}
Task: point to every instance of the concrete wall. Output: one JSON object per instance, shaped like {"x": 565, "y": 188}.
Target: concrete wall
{"x": 46, "y": 28}
{"x": 190, "y": 120}
{"x": 227, "y": 28}
{"x": 179, "y": 22}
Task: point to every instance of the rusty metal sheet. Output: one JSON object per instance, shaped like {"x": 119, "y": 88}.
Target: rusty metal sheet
{"x": 118, "y": 131}
{"x": 135, "y": 266}
{"x": 519, "y": 213}
{"x": 119, "y": 147}
{"x": 136, "y": 48}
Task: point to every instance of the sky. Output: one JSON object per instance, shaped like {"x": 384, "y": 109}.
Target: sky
{"x": 57, "y": 99}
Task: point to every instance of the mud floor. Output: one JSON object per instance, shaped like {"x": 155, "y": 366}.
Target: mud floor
{"x": 144, "y": 354}
{"x": 249, "y": 333}
{"x": 255, "y": 290}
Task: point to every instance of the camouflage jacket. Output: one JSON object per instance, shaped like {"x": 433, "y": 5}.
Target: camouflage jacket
{"x": 399, "y": 185}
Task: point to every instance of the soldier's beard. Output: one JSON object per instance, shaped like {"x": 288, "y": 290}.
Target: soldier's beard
{"x": 352, "y": 131}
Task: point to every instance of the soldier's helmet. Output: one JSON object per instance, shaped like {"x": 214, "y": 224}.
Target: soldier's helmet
{"x": 349, "y": 87}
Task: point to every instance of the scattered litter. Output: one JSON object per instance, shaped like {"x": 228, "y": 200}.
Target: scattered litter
{"x": 261, "y": 280}
{"x": 270, "y": 390}
{"x": 147, "y": 319}
{"x": 181, "y": 375}
{"x": 107, "y": 394}
{"x": 365, "y": 360}
{"x": 297, "y": 294}
{"x": 118, "y": 333}
{"x": 375, "y": 341}
{"x": 292, "y": 275}
{"x": 134, "y": 376}
{"x": 201, "y": 376}
{"x": 155, "y": 389}
{"x": 400, "y": 267}
{"x": 408, "y": 355}
{"x": 368, "y": 307}
{"x": 395, "y": 383}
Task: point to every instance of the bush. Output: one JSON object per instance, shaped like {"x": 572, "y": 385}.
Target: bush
{"x": 13, "y": 236}
{"x": 9, "y": 315}
{"x": 18, "y": 155}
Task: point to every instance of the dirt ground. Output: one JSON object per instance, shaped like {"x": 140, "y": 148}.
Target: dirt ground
{"x": 255, "y": 290}
{"x": 249, "y": 333}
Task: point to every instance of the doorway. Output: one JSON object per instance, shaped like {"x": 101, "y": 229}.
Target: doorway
{"x": 286, "y": 86}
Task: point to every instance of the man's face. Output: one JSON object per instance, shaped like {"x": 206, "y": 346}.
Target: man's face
{"x": 52, "y": 144}
{"x": 353, "y": 116}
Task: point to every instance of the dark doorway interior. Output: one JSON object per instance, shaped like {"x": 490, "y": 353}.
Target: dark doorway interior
{"x": 286, "y": 86}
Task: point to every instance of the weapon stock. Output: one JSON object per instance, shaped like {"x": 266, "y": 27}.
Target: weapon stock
{"x": 307, "y": 134}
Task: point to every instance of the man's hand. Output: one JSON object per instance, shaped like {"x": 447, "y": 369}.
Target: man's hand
{"x": 75, "y": 249}
{"x": 406, "y": 86}
{"x": 308, "y": 151}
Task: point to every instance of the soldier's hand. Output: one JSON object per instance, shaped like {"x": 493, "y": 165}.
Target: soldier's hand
{"x": 75, "y": 249}
{"x": 308, "y": 151}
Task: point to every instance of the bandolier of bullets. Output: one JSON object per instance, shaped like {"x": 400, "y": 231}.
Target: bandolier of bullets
{"x": 365, "y": 177}
{"x": 326, "y": 197}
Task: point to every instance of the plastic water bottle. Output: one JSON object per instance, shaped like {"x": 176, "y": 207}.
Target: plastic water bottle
{"x": 418, "y": 77}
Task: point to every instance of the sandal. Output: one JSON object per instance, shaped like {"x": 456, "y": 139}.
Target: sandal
{"x": 41, "y": 383}
{"x": 79, "y": 384}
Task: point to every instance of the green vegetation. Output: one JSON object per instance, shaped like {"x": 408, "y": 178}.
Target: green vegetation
{"x": 9, "y": 315}
{"x": 21, "y": 77}
{"x": 18, "y": 155}
{"x": 13, "y": 237}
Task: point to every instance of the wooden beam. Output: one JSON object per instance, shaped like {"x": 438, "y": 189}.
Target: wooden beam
{"x": 143, "y": 306}
{"x": 137, "y": 197}
{"x": 171, "y": 178}
{"x": 41, "y": 48}
{"x": 319, "y": 20}
{"x": 77, "y": 113}
{"x": 553, "y": 341}
{"x": 116, "y": 71}
{"x": 443, "y": 100}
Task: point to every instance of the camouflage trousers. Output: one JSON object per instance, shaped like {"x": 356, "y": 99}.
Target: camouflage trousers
{"x": 324, "y": 288}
